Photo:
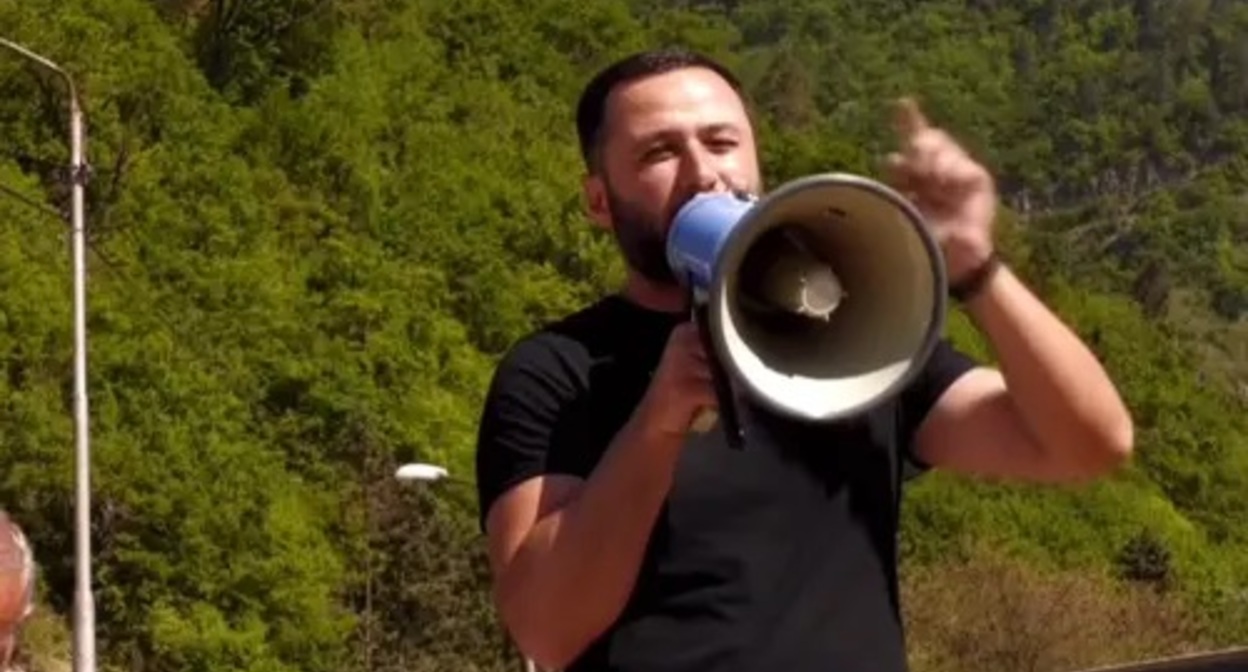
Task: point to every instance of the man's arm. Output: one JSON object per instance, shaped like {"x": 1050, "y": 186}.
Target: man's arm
{"x": 565, "y": 551}
{"x": 1050, "y": 414}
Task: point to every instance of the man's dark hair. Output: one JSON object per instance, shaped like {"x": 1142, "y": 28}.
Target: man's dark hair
{"x": 591, "y": 109}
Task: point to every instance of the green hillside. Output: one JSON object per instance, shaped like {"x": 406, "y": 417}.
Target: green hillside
{"x": 314, "y": 226}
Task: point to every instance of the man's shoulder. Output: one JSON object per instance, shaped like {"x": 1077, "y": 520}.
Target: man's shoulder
{"x": 584, "y": 328}
{"x": 566, "y": 345}
{"x": 534, "y": 420}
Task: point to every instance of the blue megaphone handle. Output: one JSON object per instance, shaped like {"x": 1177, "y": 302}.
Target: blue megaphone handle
{"x": 698, "y": 233}
{"x": 719, "y": 378}
{"x": 697, "y": 236}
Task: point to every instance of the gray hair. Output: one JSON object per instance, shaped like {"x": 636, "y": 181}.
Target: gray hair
{"x": 15, "y": 557}
{"x": 16, "y": 554}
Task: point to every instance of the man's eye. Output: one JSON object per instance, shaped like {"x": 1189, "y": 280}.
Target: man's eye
{"x": 657, "y": 153}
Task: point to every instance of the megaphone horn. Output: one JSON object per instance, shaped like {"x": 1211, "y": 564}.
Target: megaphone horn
{"x": 821, "y": 299}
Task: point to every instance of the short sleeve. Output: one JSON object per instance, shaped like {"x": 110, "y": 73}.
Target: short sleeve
{"x": 531, "y": 420}
{"x": 946, "y": 365}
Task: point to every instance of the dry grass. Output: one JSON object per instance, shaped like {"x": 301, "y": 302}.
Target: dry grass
{"x": 45, "y": 643}
{"x": 995, "y": 613}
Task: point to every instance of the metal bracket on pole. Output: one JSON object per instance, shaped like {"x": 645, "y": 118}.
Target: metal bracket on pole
{"x": 84, "y": 598}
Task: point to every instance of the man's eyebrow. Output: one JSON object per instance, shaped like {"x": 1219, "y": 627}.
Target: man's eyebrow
{"x": 667, "y": 133}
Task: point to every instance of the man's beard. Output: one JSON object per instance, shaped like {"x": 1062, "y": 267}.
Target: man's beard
{"x": 642, "y": 239}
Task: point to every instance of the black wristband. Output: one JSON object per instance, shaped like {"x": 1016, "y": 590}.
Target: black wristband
{"x": 976, "y": 280}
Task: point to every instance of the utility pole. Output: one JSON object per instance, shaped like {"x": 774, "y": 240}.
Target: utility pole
{"x": 84, "y": 599}
{"x": 422, "y": 472}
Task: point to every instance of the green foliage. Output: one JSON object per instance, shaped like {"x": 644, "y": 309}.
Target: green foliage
{"x": 314, "y": 226}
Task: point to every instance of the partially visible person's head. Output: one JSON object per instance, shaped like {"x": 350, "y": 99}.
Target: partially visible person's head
{"x": 17, "y": 586}
{"x": 655, "y": 129}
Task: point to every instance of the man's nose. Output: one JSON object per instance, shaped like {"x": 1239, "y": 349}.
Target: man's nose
{"x": 703, "y": 172}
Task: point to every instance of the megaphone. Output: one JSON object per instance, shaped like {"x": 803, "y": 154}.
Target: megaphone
{"x": 821, "y": 299}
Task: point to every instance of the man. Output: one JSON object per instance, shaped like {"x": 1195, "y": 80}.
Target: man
{"x": 619, "y": 540}
{"x": 17, "y": 588}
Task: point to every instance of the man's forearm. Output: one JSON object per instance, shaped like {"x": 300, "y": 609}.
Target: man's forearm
{"x": 576, "y": 570}
{"x": 1060, "y": 391}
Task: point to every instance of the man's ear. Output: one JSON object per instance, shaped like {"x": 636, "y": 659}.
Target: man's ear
{"x": 596, "y": 203}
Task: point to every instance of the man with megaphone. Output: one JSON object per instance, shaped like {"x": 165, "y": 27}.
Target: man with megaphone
{"x": 625, "y": 533}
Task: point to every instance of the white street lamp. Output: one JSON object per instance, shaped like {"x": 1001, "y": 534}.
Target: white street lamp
{"x": 419, "y": 471}
{"x": 84, "y": 600}
{"x": 431, "y": 473}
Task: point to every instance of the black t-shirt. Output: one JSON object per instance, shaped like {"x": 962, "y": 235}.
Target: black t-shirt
{"x": 780, "y": 556}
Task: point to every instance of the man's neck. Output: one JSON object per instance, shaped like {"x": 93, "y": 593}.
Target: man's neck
{"x": 655, "y": 296}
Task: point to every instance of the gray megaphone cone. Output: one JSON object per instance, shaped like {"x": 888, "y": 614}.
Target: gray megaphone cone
{"x": 822, "y": 298}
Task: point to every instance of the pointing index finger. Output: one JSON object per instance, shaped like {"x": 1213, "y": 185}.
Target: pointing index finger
{"x": 909, "y": 118}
